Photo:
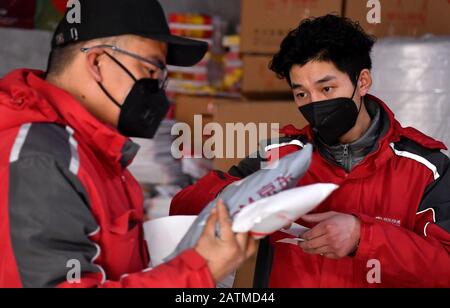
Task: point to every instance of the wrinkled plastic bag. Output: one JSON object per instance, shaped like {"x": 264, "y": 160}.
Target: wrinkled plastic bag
{"x": 262, "y": 184}
{"x": 271, "y": 214}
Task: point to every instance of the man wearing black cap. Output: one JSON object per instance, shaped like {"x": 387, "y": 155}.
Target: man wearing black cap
{"x": 70, "y": 213}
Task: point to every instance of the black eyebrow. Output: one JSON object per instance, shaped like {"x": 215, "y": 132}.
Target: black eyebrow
{"x": 296, "y": 86}
{"x": 325, "y": 79}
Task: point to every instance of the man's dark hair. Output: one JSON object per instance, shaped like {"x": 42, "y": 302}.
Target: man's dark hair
{"x": 61, "y": 57}
{"x": 328, "y": 38}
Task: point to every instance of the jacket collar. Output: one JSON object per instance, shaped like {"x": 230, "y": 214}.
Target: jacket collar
{"x": 58, "y": 106}
{"x": 349, "y": 155}
{"x": 383, "y": 152}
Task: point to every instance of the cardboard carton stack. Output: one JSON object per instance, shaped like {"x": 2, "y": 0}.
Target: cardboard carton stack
{"x": 223, "y": 111}
{"x": 264, "y": 25}
{"x": 402, "y": 17}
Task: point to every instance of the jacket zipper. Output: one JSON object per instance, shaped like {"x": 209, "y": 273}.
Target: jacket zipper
{"x": 346, "y": 158}
{"x": 345, "y": 151}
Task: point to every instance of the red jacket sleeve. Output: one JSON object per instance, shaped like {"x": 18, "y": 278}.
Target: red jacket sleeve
{"x": 49, "y": 228}
{"x": 419, "y": 257}
{"x": 192, "y": 200}
{"x": 189, "y": 270}
{"x": 406, "y": 258}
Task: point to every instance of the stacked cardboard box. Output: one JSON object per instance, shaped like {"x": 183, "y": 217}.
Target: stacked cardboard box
{"x": 264, "y": 25}
{"x": 223, "y": 111}
{"x": 401, "y": 17}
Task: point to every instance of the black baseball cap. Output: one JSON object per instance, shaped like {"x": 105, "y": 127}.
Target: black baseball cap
{"x": 145, "y": 18}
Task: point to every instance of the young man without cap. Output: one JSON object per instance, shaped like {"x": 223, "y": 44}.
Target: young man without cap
{"x": 388, "y": 224}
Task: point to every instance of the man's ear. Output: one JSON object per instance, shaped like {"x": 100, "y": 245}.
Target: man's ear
{"x": 365, "y": 82}
{"x": 93, "y": 63}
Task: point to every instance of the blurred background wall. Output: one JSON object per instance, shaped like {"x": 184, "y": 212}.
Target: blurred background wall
{"x": 228, "y": 9}
{"x": 25, "y": 48}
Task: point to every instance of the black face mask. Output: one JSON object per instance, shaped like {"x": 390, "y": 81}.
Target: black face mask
{"x": 144, "y": 108}
{"x": 331, "y": 119}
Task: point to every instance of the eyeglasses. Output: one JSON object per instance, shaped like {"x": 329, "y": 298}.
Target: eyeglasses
{"x": 160, "y": 71}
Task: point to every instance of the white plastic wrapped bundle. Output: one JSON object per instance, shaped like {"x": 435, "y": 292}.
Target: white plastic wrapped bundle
{"x": 413, "y": 77}
{"x": 154, "y": 163}
{"x": 262, "y": 184}
{"x": 269, "y": 215}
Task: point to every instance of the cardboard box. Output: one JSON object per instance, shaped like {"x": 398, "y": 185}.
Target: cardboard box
{"x": 280, "y": 113}
{"x": 187, "y": 107}
{"x": 265, "y": 23}
{"x": 259, "y": 81}
{"x": 403, "y": 17}
{"x": 230, "y": 111}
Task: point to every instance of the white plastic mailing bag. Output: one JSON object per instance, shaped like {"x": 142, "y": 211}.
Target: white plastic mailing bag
{"x": 271, "y": 214}
{"x": 264, "y": 183}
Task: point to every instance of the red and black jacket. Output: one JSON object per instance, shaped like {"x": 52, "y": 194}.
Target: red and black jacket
{"x": 400, "y": 192}
{"x": 67, "y": 200}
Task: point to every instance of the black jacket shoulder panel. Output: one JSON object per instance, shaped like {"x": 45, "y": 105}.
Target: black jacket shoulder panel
{"x": 437, "y": 194}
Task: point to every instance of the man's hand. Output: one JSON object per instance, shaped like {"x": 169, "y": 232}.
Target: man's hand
{"x": 336, "y": 236}
{"x": 227, "y": 253}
